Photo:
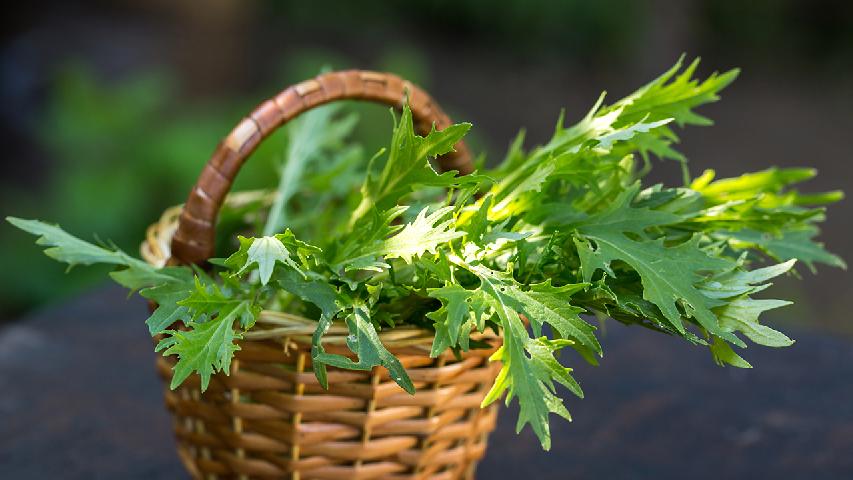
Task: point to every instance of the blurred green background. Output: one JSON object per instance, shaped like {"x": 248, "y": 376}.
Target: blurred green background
{"x": 110, "y": 109}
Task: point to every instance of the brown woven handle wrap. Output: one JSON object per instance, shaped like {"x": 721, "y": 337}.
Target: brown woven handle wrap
{"x": 194, "y": 240}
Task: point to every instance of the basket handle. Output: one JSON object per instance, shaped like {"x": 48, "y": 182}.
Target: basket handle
{"x": 193, "y": 241}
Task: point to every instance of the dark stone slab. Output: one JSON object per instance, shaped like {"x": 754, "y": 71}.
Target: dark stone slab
{"x": 80, "y": 399}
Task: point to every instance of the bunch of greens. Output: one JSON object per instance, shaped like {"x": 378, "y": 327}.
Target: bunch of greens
{"x": 525, "y": 249}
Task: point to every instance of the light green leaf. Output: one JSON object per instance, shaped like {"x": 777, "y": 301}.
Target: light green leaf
{"x": 266, "y": 251}
{"x": 724, "y": 355}
{"x": 738, "y": 281}
{"x": 422, "y": 235}
{"x": 741, "y": 314}
{"x": 607, "y": 140}
{"x": 134, "y": 278}
{"x": 541, "y": 352}
{"x": 362, "y": 248}
{"x": 662, "y": 98}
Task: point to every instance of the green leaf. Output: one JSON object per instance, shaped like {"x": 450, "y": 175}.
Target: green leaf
{"x": 365, "y": 343}
{"x": 526, "y": 249}
{"x": 724, "y": 355}
{"x": 738, "y": 281}
{"x": 463, "y": 311}
{"x": 310, "y": 137}
{"x": 134, "y": 278}
{"x": 363, "y": 248}
{"x": 749, "y": 185}
{"x": 378, "y": 241}
{"x": 208, "y": 346}
{"x": 674, "y": 95}
{"x": 165, "y": 286}
{"x": 266, "y": 251}
{"x": 607, "y": 140}
{"x": 529, "y": 378}
{"x": 407, "y": 166}
{"x": 622, "y": 217}
{"x": 310, "y": 287}
{"x": 208, "y": 299}
{"x": 69, "y": 249}
{"x": 476, "y": 223}
{"x": 509, "y": 197}
{"x": 541, "y": 352}
{"x": 313, "y": 288}
{"x": 740, "y": 312}
{"x": 796, "y": 244}
{"x": 668, "y": 274}
{"x": 167, "y": 296}
{"x": 544, "y": 303}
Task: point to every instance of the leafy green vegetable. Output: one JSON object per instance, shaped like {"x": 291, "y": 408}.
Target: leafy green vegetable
{"x": 527, "y": 249}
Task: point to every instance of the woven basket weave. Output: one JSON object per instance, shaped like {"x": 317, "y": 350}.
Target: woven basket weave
{"x": 270, "y": 418}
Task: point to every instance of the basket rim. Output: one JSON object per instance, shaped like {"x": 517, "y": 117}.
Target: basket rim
{"x": 273, "y": 324}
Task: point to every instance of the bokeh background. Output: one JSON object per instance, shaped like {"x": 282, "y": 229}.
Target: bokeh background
{"x": 110, "y": 109}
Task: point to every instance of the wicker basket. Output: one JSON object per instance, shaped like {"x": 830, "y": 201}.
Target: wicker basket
{"x": 270, "y": 418}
